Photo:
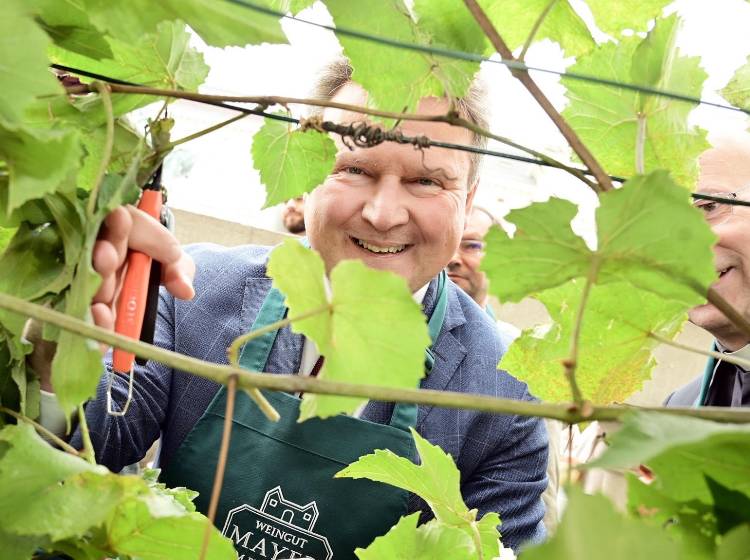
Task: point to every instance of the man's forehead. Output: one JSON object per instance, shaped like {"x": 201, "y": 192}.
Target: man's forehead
{"x": 725, "y": 168}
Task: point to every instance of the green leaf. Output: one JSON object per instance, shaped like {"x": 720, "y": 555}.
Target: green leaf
{"x": 614, "y": 356}
{"x": 6, "y": 234}
{"x": 397, "y": 79}
{"x": 69, "y": 27}
{"x": 406, "y": 541}
{"x": 24, "y": 72}
{"x": 731, "y": 508}
{"x": 154, "y": 529}
{"x": 15, "y": 547}
{"x": 622, "y": 127}
{"x": 358, "y": 336}
{"x": 544, "y": 251}
{"x": 737, "y": 91}
{"x": 682, "y": 452}
{"x": 514, "y": 20}
{"x": 162, "y": 58}
{"x": 220, "y": 24}
{"x": 75, "y": 385}
{"x": 591, "y": 529}
{"x": 691, "y": 523}
{"x": 126, "y": 144}
{"x": 291, "y": 162}
{"x": 38, "y": 167}
{"x": 34, "y": 263}
{"x": 614, "y": 17}
{"x": 735, "y": 544}
{"x": 674, "y": 263}
{"x": 437, "y": 481}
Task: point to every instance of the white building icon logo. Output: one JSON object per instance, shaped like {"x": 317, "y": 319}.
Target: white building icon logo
{"x": 279, "y": 529}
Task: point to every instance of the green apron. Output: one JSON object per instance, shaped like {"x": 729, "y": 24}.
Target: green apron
{"x": 279, "y": 499}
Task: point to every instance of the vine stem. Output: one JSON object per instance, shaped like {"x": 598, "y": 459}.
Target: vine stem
{"x": 221, "y": 464}
{"x": 710, "y": 353}
{"x": 268, "y": 100}
{"x": 293, "y": 383}
{"x": 535, "y": 29}
{"x": 203, "y": 132}
{"x": 104, "y": 91}
{"x": 233, "y": 353}
{"x": 571, "y": 363}
{"x": 603, "y": 180}
{"x": 640, "y": 145}
{"x": 61, "y": 443}
{"x": 88, "y": 448}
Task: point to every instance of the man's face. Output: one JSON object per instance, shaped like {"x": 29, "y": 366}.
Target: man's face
{"x": 293, "y": 215}
{"x": 392, "y": 206}
{"x": 727, "y": 170}
{"x": 463, "y": 268}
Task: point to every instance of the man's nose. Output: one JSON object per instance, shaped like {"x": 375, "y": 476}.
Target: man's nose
{"x": 387, "y": 205}
{"x": 455, "y": 259}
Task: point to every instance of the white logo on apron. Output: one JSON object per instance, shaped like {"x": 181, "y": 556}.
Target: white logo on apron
{"x": 279, "y": 530}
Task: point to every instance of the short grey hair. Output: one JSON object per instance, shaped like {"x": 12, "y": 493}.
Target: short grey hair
{"x": 473, "y": 106}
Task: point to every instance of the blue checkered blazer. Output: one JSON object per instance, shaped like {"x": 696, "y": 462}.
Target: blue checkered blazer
{"x": 502, "y": 459}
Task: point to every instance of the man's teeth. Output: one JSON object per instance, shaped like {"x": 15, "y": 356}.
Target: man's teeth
{"x": 376, "y": 249}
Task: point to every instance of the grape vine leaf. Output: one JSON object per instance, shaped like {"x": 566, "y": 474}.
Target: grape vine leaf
{"x": 624, "y": 128}
{"x": 291, "y": 162}
{"x": 737, "y": 91}
{"x": 69, "y": 27}
{"x": 24, "y": 72}
{"x": 674, "y": 263}
{"x": 148, "y": 527}
{"x": 75, "y": 385}
{"x": 682, "y": 452}
{"x": 220, "y": 24}
{"x": 406, "y": 541}
{"x": 692, "y": 523}
{"x": 731, "y": 507}
{"x": 163, "y": 58}
{"x": 436, "y": 480}
{"x": 614, "y": 347}
{"x": 6, "y": 234}
{"x": 38, "y": 166}
{"x": 75, "y": 500}
{"x": 607, "y": 534}
{"x": 735, "y": 544}
{"x": 614, "y": 17}
{"x": 357, "y": 335}
{"x": 397, "y": 79}
{"x": 514, "y": 20}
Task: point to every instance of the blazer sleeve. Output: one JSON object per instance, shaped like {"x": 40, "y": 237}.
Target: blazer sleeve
{"x": 511, "y": 479}
{"x": 123, "y": 440}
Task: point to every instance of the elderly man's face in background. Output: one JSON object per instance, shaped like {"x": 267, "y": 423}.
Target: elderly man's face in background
{"x": 725, "y": 170}
{"x": 464, "y": 266}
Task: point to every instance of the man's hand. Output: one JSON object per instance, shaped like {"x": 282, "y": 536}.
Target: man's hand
{"x": 129, "y": 228}
{"x": 124, "y": 228}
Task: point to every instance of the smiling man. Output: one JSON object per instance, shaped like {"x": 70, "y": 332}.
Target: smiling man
{"x": 394, "y": 208}
{"x": 724, "y": 172}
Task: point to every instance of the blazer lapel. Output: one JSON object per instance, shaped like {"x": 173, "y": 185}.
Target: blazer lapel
{"x": 448, "y": 350}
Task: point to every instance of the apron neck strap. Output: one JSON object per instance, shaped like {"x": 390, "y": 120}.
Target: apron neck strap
{"x": 255, "y": 353}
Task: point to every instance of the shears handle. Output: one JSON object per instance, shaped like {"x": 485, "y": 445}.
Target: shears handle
{"x": 131, "y": 305}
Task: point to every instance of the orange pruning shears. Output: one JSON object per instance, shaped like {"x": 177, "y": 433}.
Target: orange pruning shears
{"x": 136, "y": 306}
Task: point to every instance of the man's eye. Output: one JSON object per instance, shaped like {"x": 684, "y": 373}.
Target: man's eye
{"x": 427, "y": 182}
{"x": 353, "y": 170}
{"x": 707, "y": 206}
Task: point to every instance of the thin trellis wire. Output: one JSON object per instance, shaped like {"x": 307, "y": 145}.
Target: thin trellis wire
{"x": 260, "y": 113}
{"x": 471, "y": 57}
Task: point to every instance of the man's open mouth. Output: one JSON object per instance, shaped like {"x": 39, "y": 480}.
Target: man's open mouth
{"x": 380, "y": 249}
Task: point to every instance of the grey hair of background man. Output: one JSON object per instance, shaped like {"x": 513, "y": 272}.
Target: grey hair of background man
{"x": 472, "y": 107}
